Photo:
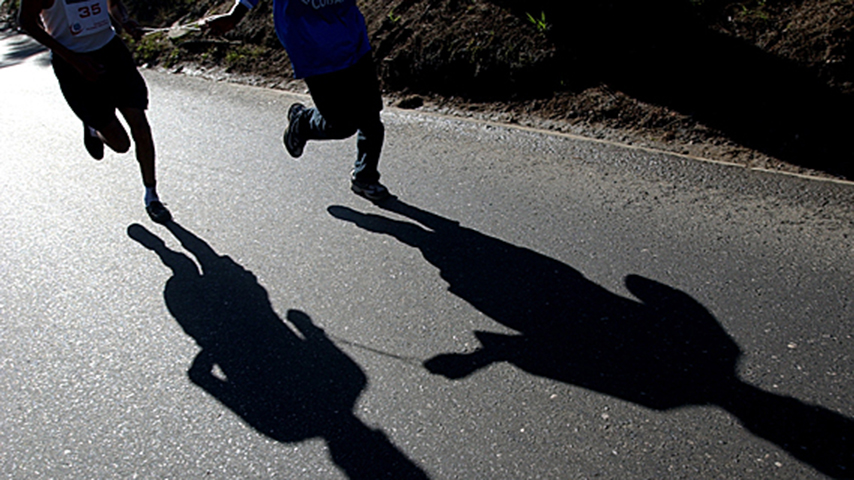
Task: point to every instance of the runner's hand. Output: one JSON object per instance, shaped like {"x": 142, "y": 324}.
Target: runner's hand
{"x": 218, "y": 24}
{"x": 133, "y": 28}
{"x": 88, "y": 67}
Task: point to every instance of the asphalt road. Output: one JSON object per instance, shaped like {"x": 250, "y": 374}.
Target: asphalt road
{"x": 529, "y": 306}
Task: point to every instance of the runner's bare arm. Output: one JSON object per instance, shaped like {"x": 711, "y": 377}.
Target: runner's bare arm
{"x": 221, "y": 24}
{"x": 120, "y": 14}
{"x": 30, "y": 22}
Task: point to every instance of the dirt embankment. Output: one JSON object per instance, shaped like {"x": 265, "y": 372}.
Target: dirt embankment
{"x": 762, "y": 83}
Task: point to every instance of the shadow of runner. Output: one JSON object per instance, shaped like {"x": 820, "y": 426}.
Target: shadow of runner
{"x": 290, "y": 386}
{"x": 662, "y": 352}
{"x": 16, "y": 48}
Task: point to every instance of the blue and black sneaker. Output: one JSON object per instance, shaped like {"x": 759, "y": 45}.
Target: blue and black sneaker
{"x": 372, "y": 191}
{"x": 158, "y": 213}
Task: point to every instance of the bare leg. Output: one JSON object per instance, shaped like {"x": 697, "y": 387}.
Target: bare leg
{"x": 142, "y": 139}
{"x": 115, "y": 137}
{"x": 144, "y": 143}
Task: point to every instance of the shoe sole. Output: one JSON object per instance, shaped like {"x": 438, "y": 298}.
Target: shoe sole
{"x": 94, "y": 145}
{"x": 294, "y": 154}
{"x": 163, "y": 219}
{"x": 291, "y": 114}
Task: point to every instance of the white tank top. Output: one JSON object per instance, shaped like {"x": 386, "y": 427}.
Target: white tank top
{"x": 79, "y": 25}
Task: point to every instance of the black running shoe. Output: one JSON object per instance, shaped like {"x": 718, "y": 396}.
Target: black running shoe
{"x": 158, "y": 213}
{"x": 293, "y": 143}
{"x": 94, "y": 145}
{"x": 372, "y": 191}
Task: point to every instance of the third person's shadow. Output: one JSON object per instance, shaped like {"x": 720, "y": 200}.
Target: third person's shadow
{"x": 289, "y": 385}
{"x": 662, "y": 351}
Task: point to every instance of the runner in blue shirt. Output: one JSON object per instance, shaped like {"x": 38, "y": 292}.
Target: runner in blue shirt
{"x": 328, "y": 46}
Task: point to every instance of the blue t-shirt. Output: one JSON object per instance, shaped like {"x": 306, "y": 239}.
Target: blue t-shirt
{"x": 320, "y": 36}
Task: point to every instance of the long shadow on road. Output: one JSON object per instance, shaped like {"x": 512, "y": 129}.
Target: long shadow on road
{"x": 16, "y": 48}
{"x": 290, "y": 387}
{"x": 662, "y": 352}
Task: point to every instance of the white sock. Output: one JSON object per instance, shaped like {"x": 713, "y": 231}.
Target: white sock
{"x": 151, "y": 195}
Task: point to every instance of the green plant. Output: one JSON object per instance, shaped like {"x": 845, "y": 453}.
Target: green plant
{"x": 232, "y": 57}
{"x": 242, "y": 54}
{"x": 150, "y": 48}
{"x": 539, "y": 23}
{"x": 754, "y": 9}
{"x": 391, "y": 16}
{"x": 172, "y": 58}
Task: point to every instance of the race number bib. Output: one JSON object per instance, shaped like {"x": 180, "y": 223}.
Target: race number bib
{"x": 86, "y": 17}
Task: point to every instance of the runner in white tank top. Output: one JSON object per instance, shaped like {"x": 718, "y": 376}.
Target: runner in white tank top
{"x": 97, "y": 76}
{"x": 79, "y": 25}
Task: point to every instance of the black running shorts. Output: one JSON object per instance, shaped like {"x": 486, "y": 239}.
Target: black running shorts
{"x": 350, "y": 96}
{"x": 121, "y": 86}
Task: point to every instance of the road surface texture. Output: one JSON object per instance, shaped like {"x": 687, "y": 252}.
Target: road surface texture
{"x": 529, "y": 306}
